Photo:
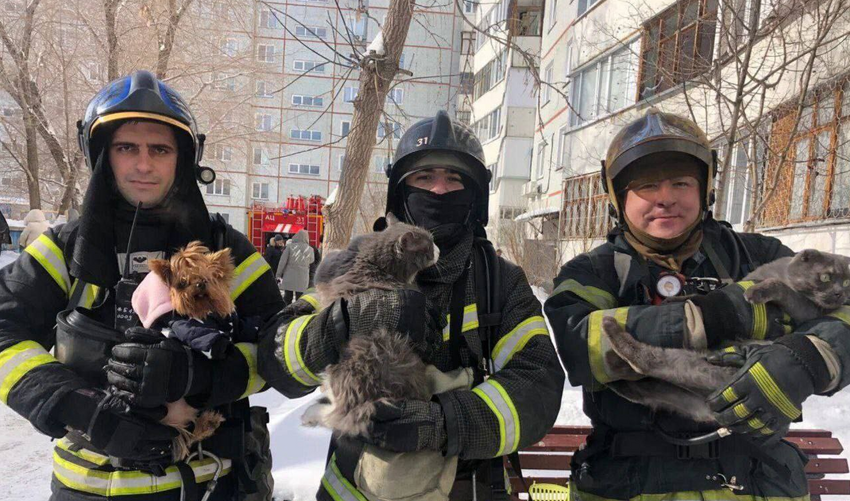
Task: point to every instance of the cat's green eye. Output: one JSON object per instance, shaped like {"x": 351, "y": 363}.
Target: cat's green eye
{"x": 824, "y": 277}
{"x": 846, "y": 283}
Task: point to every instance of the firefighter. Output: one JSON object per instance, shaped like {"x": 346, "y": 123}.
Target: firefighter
{"x": 439, "y": 182}
{"x": 659, "y": 173}
{"x": 141, "y": 142}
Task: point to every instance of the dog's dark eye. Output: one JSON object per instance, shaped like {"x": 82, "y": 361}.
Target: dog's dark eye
{"x": 182, "y": 284}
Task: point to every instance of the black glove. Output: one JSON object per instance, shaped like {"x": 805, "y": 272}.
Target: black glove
{"x": 152, "y": 370}
{"x": 767, "y": 393}
{"x": 408, "y": 426}
{"x": 114, "y": 428}
{"x": 727, "y": 315}
{"x": 400, "y": 310}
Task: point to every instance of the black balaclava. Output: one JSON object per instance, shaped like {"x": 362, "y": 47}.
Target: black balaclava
{"x": 446, "y": 216}
{"x": 106, "y": 218}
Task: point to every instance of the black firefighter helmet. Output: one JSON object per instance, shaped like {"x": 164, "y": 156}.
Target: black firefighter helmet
{"x": 140, "y": 96}
{"x": 440, "y": 134}
{"x": 657, "y": 132}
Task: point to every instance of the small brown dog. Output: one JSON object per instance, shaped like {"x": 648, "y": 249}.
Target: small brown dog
{"x": 199, "y": 286}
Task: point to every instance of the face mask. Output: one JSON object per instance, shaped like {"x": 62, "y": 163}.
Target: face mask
{"x": 446, "y": 216}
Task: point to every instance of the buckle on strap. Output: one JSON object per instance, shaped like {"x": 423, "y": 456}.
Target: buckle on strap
{"x": 710, "y": 450}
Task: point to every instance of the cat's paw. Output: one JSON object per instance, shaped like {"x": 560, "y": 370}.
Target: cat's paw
{"x": 763, "y": 292}
{"x": 316, "y": 414}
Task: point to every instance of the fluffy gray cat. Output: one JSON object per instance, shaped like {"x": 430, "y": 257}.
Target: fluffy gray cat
{"x": 380, "y": 365}
{"x": 806, "y": 286}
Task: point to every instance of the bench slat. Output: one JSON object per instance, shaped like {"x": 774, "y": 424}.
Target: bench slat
{"x": 561, "y": 442}
{"x": 816, "y": 487}
{"x": 561, "y": 462}
{"x": 585, "y": 430}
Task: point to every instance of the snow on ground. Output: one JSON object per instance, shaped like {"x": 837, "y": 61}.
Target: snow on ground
{"x": 299, "y": 453}
{"x": 7, "y": 257}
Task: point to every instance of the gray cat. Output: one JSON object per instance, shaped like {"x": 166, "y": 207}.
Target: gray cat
{"x": 806, "y": 286}
{"x": 380, "y": 365}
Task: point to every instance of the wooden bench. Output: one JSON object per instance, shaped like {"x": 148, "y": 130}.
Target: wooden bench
{"x": 550, "y": 460}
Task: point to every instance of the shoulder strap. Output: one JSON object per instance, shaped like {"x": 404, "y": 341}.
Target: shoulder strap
{"x": 219, "y": 231}
{"x": 488, "y": 286}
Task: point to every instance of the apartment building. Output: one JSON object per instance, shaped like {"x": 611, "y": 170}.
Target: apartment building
{"x": 298, "y": 111}
{"x": 610, "y": 60}
{"x": 504, "y": 100}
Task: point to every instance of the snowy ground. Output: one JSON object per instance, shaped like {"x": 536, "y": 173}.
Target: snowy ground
{"x": 7, "y": 257}
{"x": 299, "y": 453}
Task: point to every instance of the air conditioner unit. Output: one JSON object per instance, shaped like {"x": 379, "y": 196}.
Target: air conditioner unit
{"x": 531, "y": 188}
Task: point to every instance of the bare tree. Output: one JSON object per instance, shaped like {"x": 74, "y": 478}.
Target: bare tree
{"x": 377, "y": 72}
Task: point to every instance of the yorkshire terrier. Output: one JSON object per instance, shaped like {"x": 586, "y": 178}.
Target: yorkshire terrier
{"x": 197, "y": 282}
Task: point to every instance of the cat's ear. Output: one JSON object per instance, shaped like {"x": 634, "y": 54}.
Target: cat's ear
{"x": 808, "y": 255}
{"x": 413, "y": 242}
{"x": 161, "y": 267}
{"x": 391, "y": 219}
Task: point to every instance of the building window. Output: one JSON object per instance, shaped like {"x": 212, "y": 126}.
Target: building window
{"x": 264, "y": 90}
{"x": 358, "y": 28}
{"x": 265, "y": 53}
{"x": 583, "y": 5}
{"x": 490, "y": 126}
{"x": 310, "y": 170}
{"x": 395, "y": 96}
{"x": 738, "y": 189}
{"x": 268, "y": 20}
{"x": 467, "y": 81}
{"x": 541, "y": 159}
{"x": 547, "y": 83}
{"x": 678, "y": 45}
{"x": 381, "y": 163}
{"x": 225, "y": 216}
{"x": 311, "y": 32}
{"x": 553, "y": 13}
{"x": 299, "y": 100}
{"x": 467, "y": 43}
{"x": 219, "y": 187}
{"x": 464, "y": 117}
{"x": 222, "y": 81}
{"x": 344, "y": 128}
{"x": 260, "y": 191}
{"x": 222, "y": 153}
{"x": 308, "y": 66}
{"x": 350, "y": 94}
{"x": 305, "y": 135}
{"x": 493, "y": 168}
{"x": 393, "y": 128}
{"x": 229, "y": 46}
{"x": 263, "y": 122}
{"x": 341, "y": 163}
{"x": 585, "y": 209}
{"x": 261, "y": 156}
{"x": 491, "y": 74}
{"x": 469, "y": 6}
{"x": 814, "y": 178}
{"x": 603, "y": 86}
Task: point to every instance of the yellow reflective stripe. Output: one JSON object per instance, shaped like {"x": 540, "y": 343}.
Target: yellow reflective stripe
{"x": 247, "y": 273}
{"x": 85, "y": 454}
{"x": 713, "y": 495}
{"x": 255, "y": 382}
{"x": 17, "y": 360}
{"x": 515, "y": 340}
{"x": 312, "y": 299}
{"x": 292, "y": 352}
{"x": 470, "y": 321}
{"x": 842, "y": 314}
{"x": 123, "y": 483}
{"x": 339, "y": 488}
{"x": 730, "y": 395}
{"x": 599, "y": 298}
{"x": 89, "y": 295}
{"x": 494, "y": 395}
{"x": 50, "y": 257}
{"x": 759, "y": 327}
{"x": 741, "y": 411}
{"x": 595, "y": 340}
{"x": 773, "y": 393}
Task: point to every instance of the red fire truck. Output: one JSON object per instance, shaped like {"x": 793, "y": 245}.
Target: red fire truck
{"x": 298, "y": 213}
